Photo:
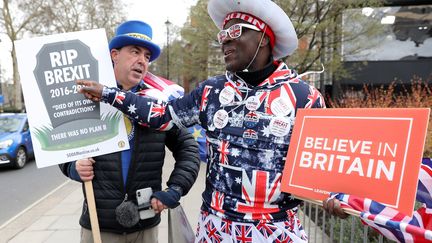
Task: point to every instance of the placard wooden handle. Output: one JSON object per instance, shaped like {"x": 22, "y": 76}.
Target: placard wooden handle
{"x": 92, "y": 211}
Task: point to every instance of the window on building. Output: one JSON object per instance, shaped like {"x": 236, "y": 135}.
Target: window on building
{"x": 401, "y": 33}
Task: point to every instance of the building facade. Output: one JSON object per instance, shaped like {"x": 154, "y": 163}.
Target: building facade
{"x": 399, "y": 53}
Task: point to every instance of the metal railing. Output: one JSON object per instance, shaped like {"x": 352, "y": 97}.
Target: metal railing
{"x": 324, "y": 229}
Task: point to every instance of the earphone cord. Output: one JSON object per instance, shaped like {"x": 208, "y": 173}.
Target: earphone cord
{"x": 256, "y": 52}
{"x": 241, "y": 103}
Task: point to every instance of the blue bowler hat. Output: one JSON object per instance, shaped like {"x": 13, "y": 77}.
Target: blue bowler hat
{"x": 137, "y": 33}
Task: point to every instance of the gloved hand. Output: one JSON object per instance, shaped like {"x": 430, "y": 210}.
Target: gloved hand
{"x": 170, "y": 197}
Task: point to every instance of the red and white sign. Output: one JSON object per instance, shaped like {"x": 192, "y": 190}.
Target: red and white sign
{"x": 373, "y": 153}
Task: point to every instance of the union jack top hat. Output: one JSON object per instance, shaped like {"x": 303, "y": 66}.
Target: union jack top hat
{"x": 137, "y": 33}
{"x": 264, "y": 14}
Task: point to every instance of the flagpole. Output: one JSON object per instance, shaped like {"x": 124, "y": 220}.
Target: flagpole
{"x": 349, "y": 211}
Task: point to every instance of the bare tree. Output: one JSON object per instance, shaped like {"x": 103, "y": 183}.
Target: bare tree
{"x": 318, "y": 26}
{"x": 41, "y": 17}
{"x": 15, "y": 25}
{"x": 191, "y": 56}
{"x": 74, "y": 15}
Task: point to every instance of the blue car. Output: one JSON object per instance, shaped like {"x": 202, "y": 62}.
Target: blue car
{"x": 15, "y": 142}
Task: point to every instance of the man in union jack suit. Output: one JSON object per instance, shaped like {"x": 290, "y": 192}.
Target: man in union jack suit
{"x": 248, "y": 114}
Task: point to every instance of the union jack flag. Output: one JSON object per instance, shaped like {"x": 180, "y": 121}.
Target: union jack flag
{"x": 166, "y": 126}
{"x": 202, "y": 240}
{"x": 266, "y": 229}
{"x": 243, "y": 233}
{"x": 238, "y": 93}
{"x": 424, "y": 191}
{"x": 261, "y": 95}
{"x": 217, "y": 201}
{"x": 226, "y": 226}
{"x": 313, "y": 96}
{"x": 235, "y": 31}
{"x": 224, "y": 152}
{"x": 258, "y": 193}
{"x": 282, "y": 72}
{"x": 295, "y": 80}
{"x": 283, "y": 238}
{"x": 157, "y": 110}
{"x": 120, "y": 96}
{"x": 204, "y": 98}
{"x": 286, "y": 92}
{"x": 291, "y": 220}
{"x": 203, "y": 215}
{"x": 168, "y": 88}
{"x": 212, "y": 232}
{"x": 390, "y": 222}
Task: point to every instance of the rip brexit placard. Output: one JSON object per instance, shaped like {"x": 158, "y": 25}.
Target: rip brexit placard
{"x": 64, "y": 125}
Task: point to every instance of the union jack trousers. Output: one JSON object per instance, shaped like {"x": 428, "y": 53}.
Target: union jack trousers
{"x": 214, "y": 229}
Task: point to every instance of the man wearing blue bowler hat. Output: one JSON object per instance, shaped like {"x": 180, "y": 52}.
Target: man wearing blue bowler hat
{"x": 127, "y": 184}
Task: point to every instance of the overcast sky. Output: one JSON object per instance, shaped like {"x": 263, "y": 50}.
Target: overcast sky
{"x": 156, "y": 13}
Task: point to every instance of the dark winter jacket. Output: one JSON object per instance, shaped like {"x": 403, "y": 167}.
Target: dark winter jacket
{"x": 145, "y": 171}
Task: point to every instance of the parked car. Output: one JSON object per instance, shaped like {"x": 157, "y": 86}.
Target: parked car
{"x": 15, "y": 142}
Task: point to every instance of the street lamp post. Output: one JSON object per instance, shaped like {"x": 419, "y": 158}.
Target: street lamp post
{"x": 168, "y": 25}
{"x": 1, "y": 88}
{"x": 1, "y": 76}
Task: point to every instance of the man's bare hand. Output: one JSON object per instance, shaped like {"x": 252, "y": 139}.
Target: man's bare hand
{"x": 332, "y": 206}
{"x": 157, "y": 205}
{"x": 91, "y": 89}
{"x": 84, "y": 168}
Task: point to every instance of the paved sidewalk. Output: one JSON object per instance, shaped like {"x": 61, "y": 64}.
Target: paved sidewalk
{"x": 55, "y": 218}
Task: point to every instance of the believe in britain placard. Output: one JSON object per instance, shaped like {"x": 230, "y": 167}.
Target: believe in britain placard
{"x": 371, "y": 153}
{"x": 64, "y": 125}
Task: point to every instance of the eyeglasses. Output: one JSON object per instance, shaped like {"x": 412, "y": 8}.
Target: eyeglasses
{"x": 235, "y": 31}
